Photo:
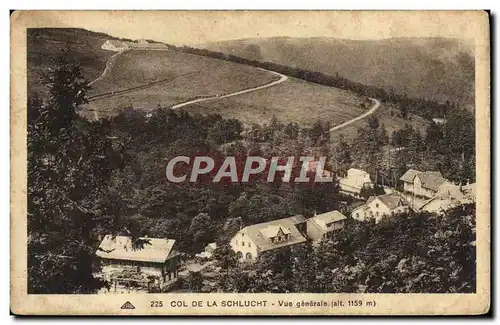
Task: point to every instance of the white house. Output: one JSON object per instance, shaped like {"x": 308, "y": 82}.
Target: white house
{"x": 439, "y": 120}
{"x": 324, "y": 225}
{"x": 422, "y": 184}
{"x": 144, "y": 262}
{"x": 251, "y": 241}
{"x": 114, "y": 45}
{"x": 356, "y": 179}
{"x": 208, "y": 252}
{"x": 381, "y": 206}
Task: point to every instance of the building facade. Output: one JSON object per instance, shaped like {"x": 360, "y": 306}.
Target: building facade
{"x": 324, "y": 226}
{"x": 378, "y": 207}
{"x": 251, "y": 241}
{"x": 422, "y": 184}
{"x": 143, "y": 263}
{"x": 356, "y": 179}
{"x": 114, "y": 45}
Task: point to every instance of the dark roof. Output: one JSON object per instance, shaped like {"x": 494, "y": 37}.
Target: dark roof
{"x": 258, "y": 233}
{"x": 146, "y": 45}
{"x": 430, "y": 179}
{"x": 409, "y": 175}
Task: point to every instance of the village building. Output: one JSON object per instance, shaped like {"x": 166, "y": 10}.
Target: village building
{"x": 469, "y": 191}
{"x": 251, "y": 241}
{"x": 439, "y": 120}
{"x": 381, "y": 206}
{"x": 208, "y": 252}
{"x": 423, "y": 184}
{"x": 143, "y": 263}
{"x": 145, "y": 46}
{"x": 448, "y": 196}
{"x": 324, "y": 226}
{"x": 114, "y": 45}
{"x": 437, "y": 205}
{"x": 356, "y": 179}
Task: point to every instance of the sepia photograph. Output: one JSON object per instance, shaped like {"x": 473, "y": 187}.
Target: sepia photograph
{"x": 270, "y": 162}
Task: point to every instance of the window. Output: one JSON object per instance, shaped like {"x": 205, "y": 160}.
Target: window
{"x": 239, "y": 255}
{"x": 249, "y": 256}
{"x": 376, "y": 205}
{"x": 242, "y": 235}
{"x": 357, "y": 214}
{"x": 376, "y": 213}
{"x": 249, "y": 245}
{"x": 236, "y": 242}
{"x": 242, "y": 243}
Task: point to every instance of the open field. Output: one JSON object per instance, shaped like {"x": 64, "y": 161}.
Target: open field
{"x": 294, "y": 100}
{"x": 165, "y": 78}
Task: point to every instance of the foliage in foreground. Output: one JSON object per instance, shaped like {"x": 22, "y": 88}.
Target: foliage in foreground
{"x": 409, "y": 253}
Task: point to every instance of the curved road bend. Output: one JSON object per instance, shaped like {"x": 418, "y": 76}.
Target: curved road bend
{"x": 376, "y": 105}
{"x": 244, "y": 91}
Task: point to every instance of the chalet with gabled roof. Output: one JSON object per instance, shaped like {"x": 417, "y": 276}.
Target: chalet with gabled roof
{"x": 142, "y": 262}
{"x": 251, "y": 241}
{"x": 422, "y": 184}
{"x": 325, "y": 225}
{"x": 378, "y": 207}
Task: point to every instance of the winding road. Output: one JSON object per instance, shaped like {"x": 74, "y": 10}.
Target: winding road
{"x": 109, "y": 64}
{"x": 376, "y": 105}
{"x": 244, "y": 91}
{"x": 108, "y": 67}
{"x": 283, "y": 78}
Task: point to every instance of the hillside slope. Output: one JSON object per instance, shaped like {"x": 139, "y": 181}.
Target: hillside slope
{"x": 165, "y": 78}
{"x": 431, "y": 68}
{"x": 45, "y": 44}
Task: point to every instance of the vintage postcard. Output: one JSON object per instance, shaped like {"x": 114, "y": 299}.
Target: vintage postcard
{"x": 250, "y": 163}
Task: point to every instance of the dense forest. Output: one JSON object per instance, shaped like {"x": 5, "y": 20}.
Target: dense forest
{"x": 90, "y": 178}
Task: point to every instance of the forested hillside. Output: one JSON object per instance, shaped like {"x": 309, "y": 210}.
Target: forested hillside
{"x": 45, "y": 45}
